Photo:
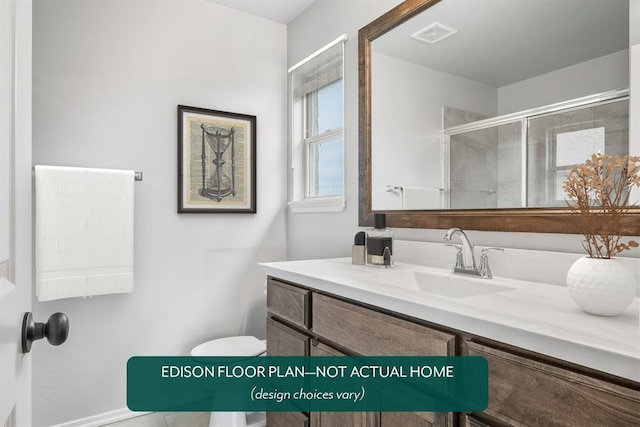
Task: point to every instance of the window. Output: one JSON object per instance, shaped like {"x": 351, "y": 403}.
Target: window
{"x": 317, "y": 116}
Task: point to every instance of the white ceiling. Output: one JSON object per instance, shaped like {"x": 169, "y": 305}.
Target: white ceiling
{"x": 504, "y": 41}
{"x": 283, "y": 11}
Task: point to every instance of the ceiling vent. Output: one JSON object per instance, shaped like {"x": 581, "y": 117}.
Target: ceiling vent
{"x": 433, "y": 33}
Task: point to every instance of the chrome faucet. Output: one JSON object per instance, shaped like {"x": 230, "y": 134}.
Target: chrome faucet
{"x": 465, "y": 259}
{"x": 468, "y": 260}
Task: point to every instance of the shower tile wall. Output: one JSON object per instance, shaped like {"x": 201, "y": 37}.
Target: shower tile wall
{"x": 545, "y": 175}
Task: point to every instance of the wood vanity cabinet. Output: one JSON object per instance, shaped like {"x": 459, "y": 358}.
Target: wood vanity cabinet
{"x": 302, "y": 322}
{"x": 525, "y": 388}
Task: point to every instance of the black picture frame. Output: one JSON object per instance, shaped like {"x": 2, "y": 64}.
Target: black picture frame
{"x": 216, "y": 161}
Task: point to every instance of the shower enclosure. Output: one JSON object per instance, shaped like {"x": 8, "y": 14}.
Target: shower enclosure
{"x": 521, "y": 159}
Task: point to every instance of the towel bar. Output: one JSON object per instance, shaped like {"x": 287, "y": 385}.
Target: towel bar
{"x": 400, "y": 188}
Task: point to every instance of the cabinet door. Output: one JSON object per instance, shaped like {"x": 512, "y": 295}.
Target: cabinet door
{"x": 287, "y": 419}
{"x": 524, "y": 391}
{"x": 336, "y": 419}
{"x": 467, "y": 420}
{"x": 369, "y": 332}
{"x": 341, "y": 419}
{"x": 367, "y": 419}
{"x": 415, "y": 419}
{"x": 284, "y": 341}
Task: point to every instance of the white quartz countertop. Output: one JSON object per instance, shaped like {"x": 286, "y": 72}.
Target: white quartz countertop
{"x": 534, "y": 316}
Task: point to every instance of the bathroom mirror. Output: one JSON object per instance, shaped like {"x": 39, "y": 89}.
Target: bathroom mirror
{"x": 428, "y": 111}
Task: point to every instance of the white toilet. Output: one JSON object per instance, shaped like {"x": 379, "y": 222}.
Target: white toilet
{"x": 234, "y": 346}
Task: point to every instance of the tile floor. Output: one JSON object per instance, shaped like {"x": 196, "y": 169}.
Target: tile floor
{"x": 167, "y": 419}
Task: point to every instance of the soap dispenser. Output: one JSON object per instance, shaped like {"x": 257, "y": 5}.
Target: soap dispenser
{"x": 358, "y": 254}
{"x": 380, "y": 243}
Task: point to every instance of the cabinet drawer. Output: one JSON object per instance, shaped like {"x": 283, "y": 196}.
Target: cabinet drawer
{"x": 284, "y": 341}
{"x": 524, "y": 391}
{"x": 287, "y": 419}
{"x": 289, "y": 302}
{"x": 371, "y": 333}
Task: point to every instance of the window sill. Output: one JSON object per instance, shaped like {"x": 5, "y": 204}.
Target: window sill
{"x": 320, "y": 204}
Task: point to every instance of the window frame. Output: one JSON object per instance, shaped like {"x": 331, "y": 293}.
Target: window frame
{"x": 301, "y": 198}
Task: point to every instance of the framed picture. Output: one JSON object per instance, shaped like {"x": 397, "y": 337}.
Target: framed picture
{"x": 216, "y": 161}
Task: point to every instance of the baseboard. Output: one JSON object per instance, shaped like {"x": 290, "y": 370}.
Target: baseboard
{"x": 102, "y": 419}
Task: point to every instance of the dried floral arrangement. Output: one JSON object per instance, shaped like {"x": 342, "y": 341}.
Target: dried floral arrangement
{"x": 598, "y": 193}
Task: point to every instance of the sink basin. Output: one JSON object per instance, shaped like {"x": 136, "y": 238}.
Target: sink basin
{"x": 448, "y": 285}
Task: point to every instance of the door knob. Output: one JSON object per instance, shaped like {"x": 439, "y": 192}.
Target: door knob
{"x": 56, "y": 330}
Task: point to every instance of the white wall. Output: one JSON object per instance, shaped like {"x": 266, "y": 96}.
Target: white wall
{"x": 609, "y": 72}
{"x": 325, "y": 235}
{"x": 108, "y": 76}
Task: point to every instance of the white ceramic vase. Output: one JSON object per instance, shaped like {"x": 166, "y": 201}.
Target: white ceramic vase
{"x": 604, "y": 287}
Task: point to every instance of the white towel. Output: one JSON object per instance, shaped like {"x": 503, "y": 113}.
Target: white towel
{"x": 421, "y": 198}
{"x": 84, "y": 232}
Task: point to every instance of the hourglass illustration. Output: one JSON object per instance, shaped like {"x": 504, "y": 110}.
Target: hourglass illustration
{"x": 220, "y": 181}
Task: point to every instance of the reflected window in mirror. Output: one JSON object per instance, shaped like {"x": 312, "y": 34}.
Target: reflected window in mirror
{"x": 556, "y": 142}
{"x": 571, "y": 148}
{"x": 317, "y": 116}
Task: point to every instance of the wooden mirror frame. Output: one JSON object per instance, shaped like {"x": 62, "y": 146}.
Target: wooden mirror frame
{"x": 534, "y": 220}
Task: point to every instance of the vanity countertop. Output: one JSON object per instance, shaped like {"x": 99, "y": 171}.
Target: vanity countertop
{"x": 534, "y": 316}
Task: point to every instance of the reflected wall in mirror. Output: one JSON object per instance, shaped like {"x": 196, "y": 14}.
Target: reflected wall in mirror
{"x": 481, "y": 125}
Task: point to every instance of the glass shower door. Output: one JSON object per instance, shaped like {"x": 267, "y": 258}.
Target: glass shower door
{"x": 486, "y": 168}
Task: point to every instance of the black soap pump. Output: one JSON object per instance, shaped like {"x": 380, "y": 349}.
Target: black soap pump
{"x": 380, "y": 243}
